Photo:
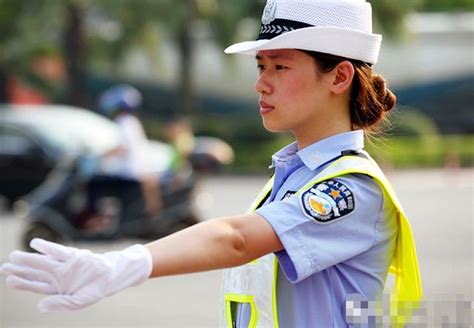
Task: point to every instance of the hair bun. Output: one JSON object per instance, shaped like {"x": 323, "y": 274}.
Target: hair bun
{"x": 386, "y": 97}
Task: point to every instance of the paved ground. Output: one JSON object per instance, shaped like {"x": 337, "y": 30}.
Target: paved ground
{"x": 440, "y": 205}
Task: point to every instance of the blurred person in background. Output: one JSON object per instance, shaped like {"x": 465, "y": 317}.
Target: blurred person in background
{"x": 326, "y": 228}
{"x": 179, "y": 133}
{"x": 121, "y": 103}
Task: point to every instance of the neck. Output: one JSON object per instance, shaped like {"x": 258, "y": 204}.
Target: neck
{"x": 307, "y": 139}
{"x": 331, "y": 122}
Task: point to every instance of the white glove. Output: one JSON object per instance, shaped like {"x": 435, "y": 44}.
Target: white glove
{"x": 75, "y": 278}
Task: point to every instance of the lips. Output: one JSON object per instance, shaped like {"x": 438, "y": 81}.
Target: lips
{"x": 265, "y": 107}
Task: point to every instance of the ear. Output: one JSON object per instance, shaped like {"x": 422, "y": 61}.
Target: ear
{"x": 343, "y": 75}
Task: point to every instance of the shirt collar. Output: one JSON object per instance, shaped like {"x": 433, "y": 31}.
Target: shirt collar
{"x": 285, "y": 154}
{"x": 323, "y": 151}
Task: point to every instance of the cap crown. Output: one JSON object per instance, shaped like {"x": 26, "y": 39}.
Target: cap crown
{"x": 347, "y": 14}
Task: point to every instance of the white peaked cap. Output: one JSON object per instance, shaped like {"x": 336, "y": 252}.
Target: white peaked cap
{"x": 338, "y": 27}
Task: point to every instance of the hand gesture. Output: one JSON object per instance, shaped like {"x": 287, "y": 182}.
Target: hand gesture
{"x": 75, "y": 278}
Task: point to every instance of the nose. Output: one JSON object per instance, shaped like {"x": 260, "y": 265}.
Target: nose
{"x": 262, "y": 85}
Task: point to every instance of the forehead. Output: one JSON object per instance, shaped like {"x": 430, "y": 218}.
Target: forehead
{"x": 290, "y": 54}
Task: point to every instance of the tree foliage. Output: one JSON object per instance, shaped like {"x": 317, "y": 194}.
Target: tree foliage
{"x": 389, "y": 14}
{"x": 27, "y": 30}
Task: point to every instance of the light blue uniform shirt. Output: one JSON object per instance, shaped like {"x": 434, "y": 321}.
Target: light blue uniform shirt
{"x": 324, "y": 262}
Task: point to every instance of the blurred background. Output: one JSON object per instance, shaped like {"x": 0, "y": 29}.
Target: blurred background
{"x": 68, "y": 52}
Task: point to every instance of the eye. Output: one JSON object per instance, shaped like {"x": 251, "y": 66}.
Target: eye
{"x": 280, "y": 67}
{"x": 260, "y": 68}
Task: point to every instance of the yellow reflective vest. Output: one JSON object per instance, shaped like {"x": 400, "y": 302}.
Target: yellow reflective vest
{"x": 255, "y": 283}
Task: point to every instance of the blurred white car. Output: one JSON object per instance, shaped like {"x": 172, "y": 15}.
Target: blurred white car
{"x": 34, "y": 138}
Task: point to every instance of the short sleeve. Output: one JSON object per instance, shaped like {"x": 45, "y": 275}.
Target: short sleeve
{"x": 326, "y": 224}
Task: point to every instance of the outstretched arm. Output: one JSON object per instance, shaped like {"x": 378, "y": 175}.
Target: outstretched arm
{"x": 76, "y": 278}
{"x": 214, "y": 244}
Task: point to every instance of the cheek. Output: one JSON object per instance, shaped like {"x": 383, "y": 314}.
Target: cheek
{"x": 297, "y": 86}
{"x": 302, "y": 92}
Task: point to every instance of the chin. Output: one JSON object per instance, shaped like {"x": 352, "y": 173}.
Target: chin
{"x": 273, "y": 126}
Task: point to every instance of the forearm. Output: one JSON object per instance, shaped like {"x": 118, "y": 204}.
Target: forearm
{"x": 213, "y": 244}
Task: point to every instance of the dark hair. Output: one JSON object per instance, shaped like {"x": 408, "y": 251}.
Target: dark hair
{"x": 370, "y": 98}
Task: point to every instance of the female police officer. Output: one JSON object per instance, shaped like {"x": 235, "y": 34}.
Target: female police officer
{"x": 326, "y": 227}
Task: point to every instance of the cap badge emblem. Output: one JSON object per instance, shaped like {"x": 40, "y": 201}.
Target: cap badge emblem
{"x": 269, "y": 12}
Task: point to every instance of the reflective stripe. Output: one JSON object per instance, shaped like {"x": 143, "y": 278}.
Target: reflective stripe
{"x": 404, "y": 265}
{"x": 249, "y": 299}
{"x": 274, "y": 292}
{"x": 264, "y": 193}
